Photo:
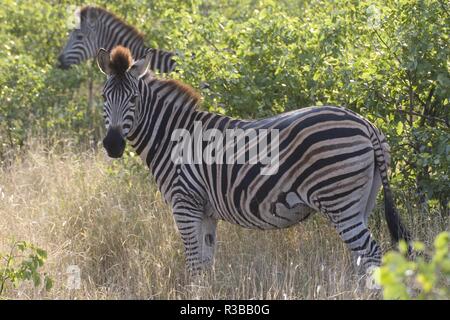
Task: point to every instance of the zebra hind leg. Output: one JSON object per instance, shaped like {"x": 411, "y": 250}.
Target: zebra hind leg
{"x": 345, "y": 204}
{"x": 353, "y": 231}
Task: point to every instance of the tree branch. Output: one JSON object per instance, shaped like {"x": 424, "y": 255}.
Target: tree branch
{"x": 412, "y": 113}
{"x": 426, "y": 106}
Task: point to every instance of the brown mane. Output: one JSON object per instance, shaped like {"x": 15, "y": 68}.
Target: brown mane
{"x": 184, "y": 88}
{"x": 101, "y": 11}
{"x": 121, "y": 60}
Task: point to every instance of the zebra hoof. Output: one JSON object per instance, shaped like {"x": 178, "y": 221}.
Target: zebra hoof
{"x": 371, "y": 284}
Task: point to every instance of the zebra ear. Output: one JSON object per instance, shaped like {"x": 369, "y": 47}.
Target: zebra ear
{"x": 92, "y": 15}
{"x": 103, "y": 61}
{"x": 140, "y": 67}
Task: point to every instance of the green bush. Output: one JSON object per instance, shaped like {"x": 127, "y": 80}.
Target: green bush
{"x": 22, "y": 263}
{"x": 402, "y": 278}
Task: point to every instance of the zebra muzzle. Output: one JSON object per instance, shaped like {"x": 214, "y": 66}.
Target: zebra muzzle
{"x": 61, "y": 64}
{"x": 114, "y": 143}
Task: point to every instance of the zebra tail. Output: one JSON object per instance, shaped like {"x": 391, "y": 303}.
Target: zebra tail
{"x": 396, "y": 227}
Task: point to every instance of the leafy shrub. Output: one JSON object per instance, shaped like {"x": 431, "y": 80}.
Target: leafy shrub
{"x": 419, "y": 279}
{"x": 22, "y": 263}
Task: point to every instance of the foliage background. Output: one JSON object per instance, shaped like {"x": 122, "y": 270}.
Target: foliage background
{"x": 387, "y": 60}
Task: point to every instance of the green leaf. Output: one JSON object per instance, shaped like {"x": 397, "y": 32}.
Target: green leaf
{"x": 48, "y": 283}
{"x": 42, "y": 253}
{"x": 443, "y": 80}
{"x": 36, "y": 279}
{"x": 419, "y": 246}
{"x": 442, "y": 240}
{"x": 399, "y": 128}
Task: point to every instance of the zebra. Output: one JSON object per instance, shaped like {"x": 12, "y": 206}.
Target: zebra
{"x": 331, "y": 160}
{"x": 99, "y": 28}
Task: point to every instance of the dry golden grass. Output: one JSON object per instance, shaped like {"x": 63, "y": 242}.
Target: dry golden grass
{"x": 108, "y": 218}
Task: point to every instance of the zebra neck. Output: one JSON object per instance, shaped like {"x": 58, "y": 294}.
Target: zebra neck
{"x": 163, "y": 111}
{"x": 167, "y": 107}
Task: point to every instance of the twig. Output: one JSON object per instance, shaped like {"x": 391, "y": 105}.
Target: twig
{"x": 426, "y": 105}
{"x": 443, "y": 6}
{"x": 412, "y": 113}
{"x": 4, "y": 277}
{"x": 387, "y": 47}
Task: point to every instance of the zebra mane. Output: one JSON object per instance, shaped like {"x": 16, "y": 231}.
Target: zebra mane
{"x": 87, "y": 11}
{"x": 183, "y": 88}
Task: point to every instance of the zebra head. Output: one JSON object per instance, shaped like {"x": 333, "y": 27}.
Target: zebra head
{"x": 82, "y": 43}
{"x": 121, "y": 95}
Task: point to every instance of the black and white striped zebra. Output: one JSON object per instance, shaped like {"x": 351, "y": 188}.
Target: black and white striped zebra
{"x": 331, "y": 160}
{"x": 98, "y": 28}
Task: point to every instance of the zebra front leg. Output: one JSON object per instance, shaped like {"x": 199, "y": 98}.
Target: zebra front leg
{"x": 198, "y": 233}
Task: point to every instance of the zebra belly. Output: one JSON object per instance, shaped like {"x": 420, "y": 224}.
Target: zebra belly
{"x": 284, "y": 211}
{"x": 289, "y": 209}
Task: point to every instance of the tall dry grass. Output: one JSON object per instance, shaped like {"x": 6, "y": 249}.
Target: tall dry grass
{"x": 107, "y": 217}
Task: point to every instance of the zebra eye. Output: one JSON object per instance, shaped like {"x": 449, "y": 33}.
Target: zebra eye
{"x": 79, "y": 37}
{"x": 133, "y": 99}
